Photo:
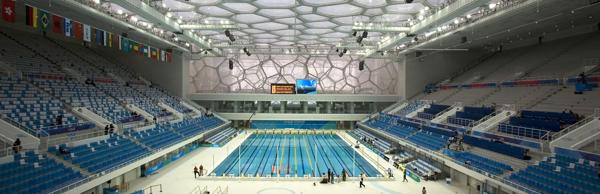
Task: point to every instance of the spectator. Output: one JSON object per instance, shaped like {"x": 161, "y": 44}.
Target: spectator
{"x": 155, "y": 120}
{"x": 59, "y": 120}
{"x": 332, "y": 177}
{"x": 196, "y": 171}
{"x": 344, "y": 174}
{"x": 112, "y": 128}
{"x": 147, "y": 122}
{"x": 106, "y": 130}
{"x": 328, "y": 173}
{"x": 87, "y": 81}
{"x": 325, "y": 179}
{"x": 143, "y": 170}
{"x": 201, "y": 170}
{"x": 17, "y": 146}
{"x": 570, "y": 111}
{"x": 541, "y": 38}
{"x": 424, "y": 191}
{"x": 63, "y": 151}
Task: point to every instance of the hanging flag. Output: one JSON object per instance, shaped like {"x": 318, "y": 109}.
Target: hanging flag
{"x": 136, "y": 49}
{"x": 162, "y": 55}
{"x": 168, "y": 55}
{"x": 8, "y": 11}
{"x": 99, "y": 37}
{"x": 68, "y": 27}
{"x": 109, "y": 39}
{"x": 30, "y": 15}
{"x": 131, "y": 48}
{"x": 77, "y": 30}
{"x": 153, "y": 55}
{"x": 44, "y": 20}
{"x": 146, "y": 53}
{"x": 158, "y": 54}
{"x": 116, "y": 41}
{"x": 124, "y": 44}
{"x": 87, "y": 33}
{"x": 57, "y": 24}
{"x": 141, "y": 49}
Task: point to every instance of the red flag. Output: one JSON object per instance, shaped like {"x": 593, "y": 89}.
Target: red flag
{"x": 57, "y": 24}
{"x": 8, "y": 11}
{"x": 78, "y": 30}
{"x": 168, "y": 55}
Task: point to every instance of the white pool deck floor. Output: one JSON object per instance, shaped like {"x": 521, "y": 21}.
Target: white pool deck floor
{"x": 178, "y": 178}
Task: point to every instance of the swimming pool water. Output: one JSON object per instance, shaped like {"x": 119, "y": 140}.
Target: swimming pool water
{"x": 293, "y": 154}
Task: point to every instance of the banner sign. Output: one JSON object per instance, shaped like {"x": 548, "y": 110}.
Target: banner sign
{"x": 479, "y": 85}
{"x": 177, "y": 156}
{"x": 413, "y": 175}
{"x": 534, "y": 82}
{"x": 509, "y": 140}
{"x": 449, "y": 87}
{"x": 130, "y": 120}
{"x": 69, "y": 129}
{"x": 154, "y": 168}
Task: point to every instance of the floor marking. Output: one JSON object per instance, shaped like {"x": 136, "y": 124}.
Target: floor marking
{"x": 380, "y": 187}
{"x": 292, "y": 192}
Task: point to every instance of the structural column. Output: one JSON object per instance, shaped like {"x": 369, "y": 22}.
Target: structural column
{"x": 283, "y": 106}
{"x": 236, "y": 106}
{"x": 328, "y": 107}
{"x": 304, "y": 106}
{"x": 260, "y": 106}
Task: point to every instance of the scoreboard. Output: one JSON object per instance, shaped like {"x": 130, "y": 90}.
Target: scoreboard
{"x": 283, "y": 88}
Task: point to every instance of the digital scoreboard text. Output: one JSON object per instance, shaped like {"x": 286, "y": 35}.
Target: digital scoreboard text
{"x": 283, "y": 88}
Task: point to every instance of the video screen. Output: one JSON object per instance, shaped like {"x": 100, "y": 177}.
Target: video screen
{"x": 283, "y": 89}
{"x": 306, "y": 86}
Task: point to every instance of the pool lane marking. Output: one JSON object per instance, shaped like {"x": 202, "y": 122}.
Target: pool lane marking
{"x": 282, "y": 151}
{"x": 309, "y": 162}
{"x": 295, "y": 160}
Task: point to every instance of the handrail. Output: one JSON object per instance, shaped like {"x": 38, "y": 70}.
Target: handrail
{"x": 150, "y": 187}
{"x": 198, "y": 190}
{"x": 582, "y": 122}
{"x": 593, "y": 61}
{"x": 67, "y": 139}
{"x": 23, "y": 127}
{"x": 64, "y": 125}
{"x": 507, "y": 107}
{"x": 547, "y": 77}
{"x": 9, "y": 150}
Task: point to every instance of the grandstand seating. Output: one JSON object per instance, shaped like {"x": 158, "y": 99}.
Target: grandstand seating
{"x": 413, "y": 107}
{"x": 156, "y": 137}
{"x": 221, "y": 136}
{"x": 25, "y": 60}
{"x": 522, "y": 131}
{"x": 548, "y": 125}
{"x": 510, "y": 150}
{"x": 158, "y": 96}
{"x": 469, "y": 115}
{"x": 521, "y": 97}
{"x": 405, "y": 156}
{"x": 194, "y": 126}
{"x": 380, "y": 144}
{"x": 423, "y": 166}
{"x": 428, "y": 140}
{"x": 468, "y": 97}
{"x": 481, "y": 162}
{"x": 34, "y": 173}
{"x": 434, "y": 109}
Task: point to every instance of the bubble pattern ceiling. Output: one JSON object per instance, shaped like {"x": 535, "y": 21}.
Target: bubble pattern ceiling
{"x": 323, "y": 18}
{"x": 256, "y": 73}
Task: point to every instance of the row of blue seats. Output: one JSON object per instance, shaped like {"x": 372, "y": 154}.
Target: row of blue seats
{"x": 583, "y": 183}
{"x": 537, "y": 185}
{"x": 409, "y": 123}
{"x": 21, "y": 168}
{"x": 481, "y": 110}
{"x": 490, "y": 161}
{"x": 380, "y": 144}
{"x": 549, "y": 125}
{"x": 424, "y": 115}
{"x": 5, "y": 101}
{"x": 30, "y": 107}
{"x": 94, "y": 158}
{"x": 435, "y": 140}
{"x": 440, "y": 131}
{"x": 41, "y": 179}
{"x": 572, "y": 159}
{"x": 570, "y": 172}
{"x": 161, "y": 139}
{"x": 578, "y": 167}
{"x": 24, "y": 155}
{"x": 86, "y": 146}
{"x": 470, "y": 115}
{"x": 423, "y": 143}
{"x": 401, "y": 131}
{"x": 188, "y": 130}
{"x": 514, "y": 151}
{"x": 481, "y": 164}
{"x": 109, "y": 163}
{"x": 556, "y": 183}
{"x": 522, "y": 131}
{"x": 23, "y": 176}
{"x": 569, "y": 118}
{"x": 435, "y": 109}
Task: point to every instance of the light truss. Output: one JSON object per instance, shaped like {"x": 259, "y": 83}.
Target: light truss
{"x": 217, "y": 27}
{"x": 233, "y": 45}
{"x": 385, "y": 29}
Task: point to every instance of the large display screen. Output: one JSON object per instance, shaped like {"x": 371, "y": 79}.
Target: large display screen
{"x": 306, "y": 86}
{"x": 283, "y": 88}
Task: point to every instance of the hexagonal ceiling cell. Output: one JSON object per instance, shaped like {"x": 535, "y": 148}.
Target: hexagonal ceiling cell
{"x": 370, "y": 3}
{"x": 304, "y": 9}
{"x": 308, "y": 42}
{"x": 350, "y": 19}
{"x": 313, "y": 17}
{"x": 283, "y": 43}
{"x": 339, "y": 10}
{"x": 289, "y": 20}
{"x": 287, "y": 32}
{"x": 288, "y": 38}
{"x": 395, "y": 17}
{"x": 276, "y": 13}
{"x": 323, "y": 2}
{"x": 344, "y": 28}
{"x": 240, "y": 7}
{"x": 309, "y": 37}
{"x": 208, "y": 32}
{"x": 375, "y": 11}
{"x": 176, "y": 5}
{"x": 205, "y": 2}
{"x": 214, "y": 11}
{"x": 335, "y": 35}
{"x": 405, "y": 8}
{"x": 330, "y": 39}
{"x": 317, "y": 31}
{"x": 270, "y": 26}
{"x": 184, "y": 15}
{"x": 275, "y": 3}
{"x": 321, "y": 24}
{"x": 264, "y": 36}
{"x": 250, "y": 18}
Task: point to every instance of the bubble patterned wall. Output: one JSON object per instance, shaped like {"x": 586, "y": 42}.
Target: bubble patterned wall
{"x": 256, "y": 73}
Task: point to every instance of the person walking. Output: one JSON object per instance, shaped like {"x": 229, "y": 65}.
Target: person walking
{"x": 344, "y": 175}
{"x": 196, "y": 171}
{"x": 361, "y": 182}
{"x": 404, "y": 176}
{"x": 106, "y": 130}
{"x": 201, "y": 170}
{"x": 424, "y": 191}
{"x": 328, "y": 175}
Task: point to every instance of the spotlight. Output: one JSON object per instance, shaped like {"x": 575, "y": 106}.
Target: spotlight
{"x": 341, "y": 54}
{"x": 245, "y": 50}
{"x": 365, "y": 33}
{"x": 205, "y": 52}
{"x": 345, "y": 51}
{"x": 408, "y": 1}
{"x": 337, "y": 50}
{"x": 361, "y": 65}
{"x": 230, "y": 64}
{"x": 354, "y": 33}
{"x": 248, "y": 54}
{"x": 232, "y": 38}
{"x": 227, "y": 33}
{"x": 359, "y": 39}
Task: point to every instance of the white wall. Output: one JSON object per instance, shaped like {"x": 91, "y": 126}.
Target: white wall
{"x": 434, "y": 67}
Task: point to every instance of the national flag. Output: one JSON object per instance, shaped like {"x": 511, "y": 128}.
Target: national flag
{"x": 30, "y": 15}
{"x": 131, "y": 49}
{"x": 162, "y": 55}
{"x": 8, "y": 11}
{"x": 77, "y": 30}
{"x": 44, "y": 20}
{"x": 153, "y": 55}
{"x": 116, "y": 41}
{"x": 168, "y": 56}
{"x": 87, "y": 33}
{"x": 124, "y": 44}
{"x": 141, "y": 49}
{"x": 146, "y": 53}
{"x": 109, "y": 39}
{"x": 99, "y": 37}
{"x": 136, "y": 49}
{"x": 57, "y": 25}
{"x": 158, "y": 54}
{"x": 68, "y": 27}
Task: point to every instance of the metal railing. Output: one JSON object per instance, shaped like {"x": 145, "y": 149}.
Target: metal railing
{"x": 218, "y": 190}
{"x": 44, "y": 129}
{"x": 22, "y": 148}
{"x": 484, "y": 119}
{"x": 25, "y": 128}
{"x": 198, "y": 190}
{"x": 587, "y": 64}
{"x": 582, "y": 122}
{"x": 534, "y": 133}
{"x": 547, "y": 77}
{"x": 69, "y": 138}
